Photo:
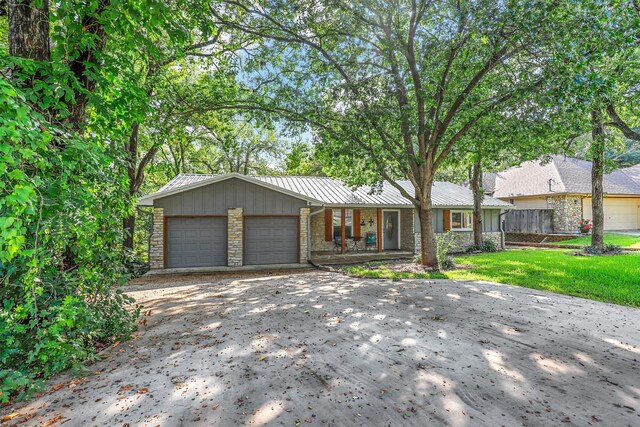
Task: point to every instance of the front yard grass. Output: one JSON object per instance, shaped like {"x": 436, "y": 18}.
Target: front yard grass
{"x": 623, "y": 240}
{"x": 614, "y": 279}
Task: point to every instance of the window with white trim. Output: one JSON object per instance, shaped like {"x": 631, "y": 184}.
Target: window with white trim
{"x": 461, "y": 220}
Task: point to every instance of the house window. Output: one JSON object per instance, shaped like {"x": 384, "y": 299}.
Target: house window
{"x": 337, "y": 222}
{"x": 461, "y": 220}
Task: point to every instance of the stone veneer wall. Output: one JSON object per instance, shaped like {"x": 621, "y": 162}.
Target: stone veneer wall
{"x": 235, "y": 235}
{"x": 304, "y": 234}
{"x": 317, "y": 234}
{"x": 365, "y": 215}
{"x": 567, "y": 212}
{"x": 318, "y": 244}
{"x": 407, "y": 234}
{"x": 463, "y": 239}
{"x": 156, "y": 248}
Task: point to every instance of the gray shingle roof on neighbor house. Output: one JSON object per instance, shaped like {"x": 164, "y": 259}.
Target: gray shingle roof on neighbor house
{"x": 332, "y": 192}
{"x": 562, "y": 175}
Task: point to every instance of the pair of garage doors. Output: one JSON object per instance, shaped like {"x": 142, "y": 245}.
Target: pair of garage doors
{"x": 203, "y": 241}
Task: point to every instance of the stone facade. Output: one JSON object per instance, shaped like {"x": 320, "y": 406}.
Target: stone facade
{"x": 567, "y": 212}
{"x": 317, "y": 234}
{"x": 235, "y": 236}
{"x": 156, "y": 244}
{"x": 367, "y": 214}
{"x": 304, "y": 234}
{"x": 318, "y": 244}
{"x": 407, "y": 234}
{"x": 463, "y": 239}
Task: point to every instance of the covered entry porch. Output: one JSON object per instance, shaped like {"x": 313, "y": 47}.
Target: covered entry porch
{"x": 361, "y": 231}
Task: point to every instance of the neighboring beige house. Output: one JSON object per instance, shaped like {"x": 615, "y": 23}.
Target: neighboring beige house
{"x": 564, "y": 185}
{"x": 235, "y": 220}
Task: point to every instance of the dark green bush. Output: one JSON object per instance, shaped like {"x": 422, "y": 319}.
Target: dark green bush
{"x": 61, "y": 257}
{"x": 486, "y": 246}
{"x": 607, "y": 249}
{"x": 444, "y": 245}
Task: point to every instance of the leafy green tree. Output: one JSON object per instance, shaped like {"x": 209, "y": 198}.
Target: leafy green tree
{"x": 197, "y": 58}
{"x": 598, "y": 75}
{"x": 72, "y": 88}
{"x": 302, "y": 161}
{"x": 392, "y": 88}
{"x": 509, "y": 137}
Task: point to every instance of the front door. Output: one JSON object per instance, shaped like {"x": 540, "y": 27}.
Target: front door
{"x": 390, "y": 230}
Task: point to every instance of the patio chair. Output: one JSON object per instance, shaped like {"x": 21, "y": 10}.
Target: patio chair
{"x": 337, "y": 243}
{"x": 371, "y": 241}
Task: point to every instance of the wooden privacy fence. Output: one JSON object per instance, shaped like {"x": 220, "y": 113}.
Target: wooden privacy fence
{"x": 538, "y": 221}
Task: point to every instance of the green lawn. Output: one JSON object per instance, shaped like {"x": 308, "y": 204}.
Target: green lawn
{"x": 613, "y": 279}
{"x": 624, "y": 240}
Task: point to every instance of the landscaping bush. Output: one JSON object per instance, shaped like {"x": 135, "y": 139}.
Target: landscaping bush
{"x": 607, "y": 249}
{"x": 61, "y": 256}
{"x": 486, "y": 246}
{"x": 444, "y": 245}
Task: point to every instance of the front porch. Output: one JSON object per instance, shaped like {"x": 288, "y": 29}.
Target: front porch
{"x": 331, "y": 257}
{"x": 361, "y": 231}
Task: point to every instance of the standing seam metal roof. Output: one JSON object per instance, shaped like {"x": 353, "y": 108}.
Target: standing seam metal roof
{"x": 334, "y": 192}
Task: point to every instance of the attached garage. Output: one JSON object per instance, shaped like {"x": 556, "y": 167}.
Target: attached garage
{"x": 271, "y": 240}
{"x": 227, "y": 221}
{"x": 196, "y": 242}
{"x": 620, "y": 213}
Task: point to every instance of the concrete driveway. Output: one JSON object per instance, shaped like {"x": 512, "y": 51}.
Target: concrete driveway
{"x": 319, "y": 348}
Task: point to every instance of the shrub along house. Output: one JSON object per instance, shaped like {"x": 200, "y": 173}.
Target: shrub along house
{"x": 234, "y": 220}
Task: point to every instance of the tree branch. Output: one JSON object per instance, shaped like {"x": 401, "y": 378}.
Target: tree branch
{"x": 495, "y": 58}
{"x": 621, "y": 125}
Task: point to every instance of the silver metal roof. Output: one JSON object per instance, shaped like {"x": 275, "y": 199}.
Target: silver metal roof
{"x": 333, "y": 192}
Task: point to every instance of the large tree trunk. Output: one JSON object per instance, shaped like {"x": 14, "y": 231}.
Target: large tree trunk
{"x": 427, "y": 235}
{"x": 29, "y": 29}
{"x": 478, "y": 195}
{"x": 86, "y": 61}
{"x": 597, "y": 172}
{"x": 129, "y": 226}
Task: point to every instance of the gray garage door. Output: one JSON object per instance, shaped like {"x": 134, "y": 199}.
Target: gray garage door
{"x": 270, "y": 240}
{"x": 196, "y": 242}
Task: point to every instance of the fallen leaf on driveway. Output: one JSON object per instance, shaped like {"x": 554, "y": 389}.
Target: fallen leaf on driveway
{"x": 143, "y": 390}
{"x": 10, "y": 416}
{"x": 125, "y": 387}
{"x": 58, "y": 386}
{"x": 52, "y": 421}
